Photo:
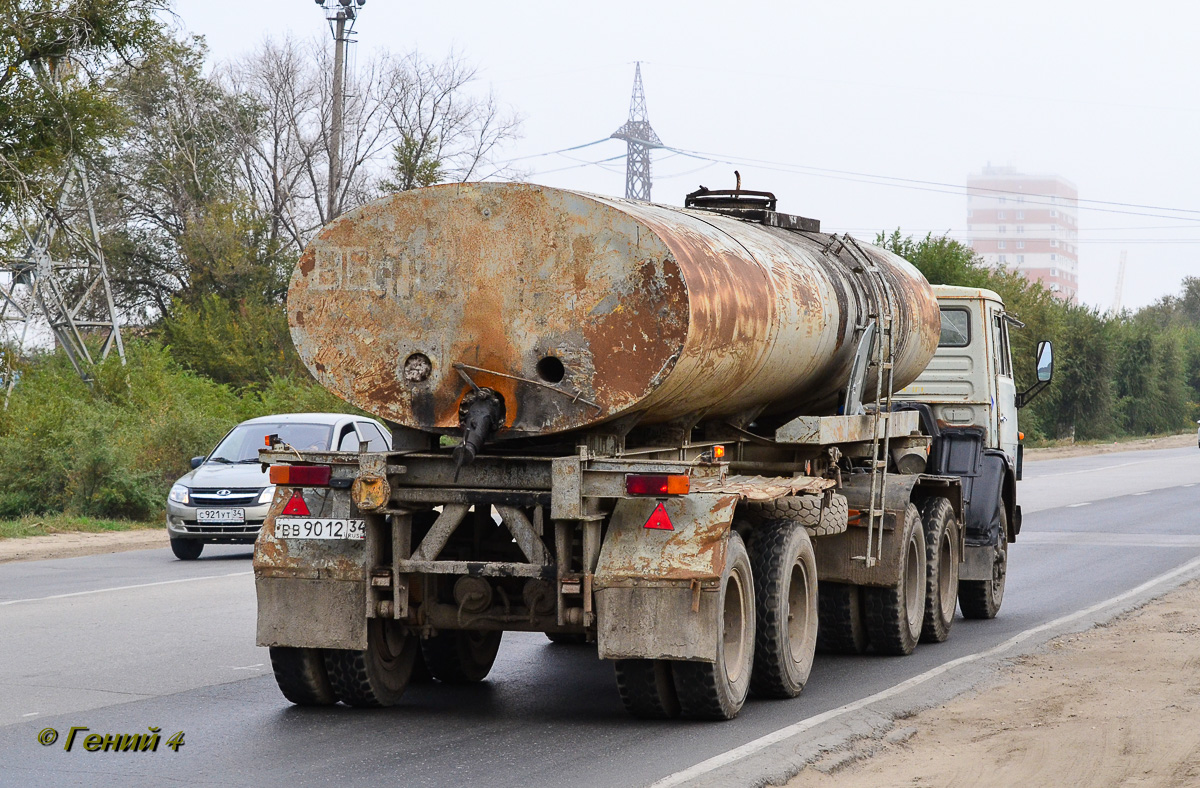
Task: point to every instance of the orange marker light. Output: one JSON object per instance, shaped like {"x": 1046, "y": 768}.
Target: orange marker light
{"x": 718, "y": 452}
{"x": 646, "y": 484}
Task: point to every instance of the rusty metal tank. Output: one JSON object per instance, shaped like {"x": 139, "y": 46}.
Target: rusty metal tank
{"x": 579, "y": 310}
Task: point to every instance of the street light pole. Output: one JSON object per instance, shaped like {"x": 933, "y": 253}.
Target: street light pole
{"x": 341, "y": 15}
{"x": 339, "y": 97}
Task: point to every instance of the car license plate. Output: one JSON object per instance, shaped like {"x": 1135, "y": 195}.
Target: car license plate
{"x": 318, "y": 528}
{"x": 220, "y": 515}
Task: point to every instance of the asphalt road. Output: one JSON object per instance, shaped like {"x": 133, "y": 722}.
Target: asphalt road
{"x": 119, "y": 643}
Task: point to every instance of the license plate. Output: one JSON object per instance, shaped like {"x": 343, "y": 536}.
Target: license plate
{"x": 220, "y": 515}
{"x": 318, "y": 528}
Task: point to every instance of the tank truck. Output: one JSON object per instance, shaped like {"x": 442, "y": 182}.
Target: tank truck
{"x": 710, "y": 440}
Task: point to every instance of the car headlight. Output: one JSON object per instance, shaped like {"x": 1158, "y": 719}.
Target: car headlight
{"x": 266, "y": 495}
{"x": 179, "y": 494}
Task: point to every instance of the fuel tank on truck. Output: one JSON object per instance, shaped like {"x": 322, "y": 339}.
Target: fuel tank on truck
{"x": 579, "y": 309}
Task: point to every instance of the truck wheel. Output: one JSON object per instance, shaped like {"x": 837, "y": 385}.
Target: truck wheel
{"x": 842, "y": 629}
{"x": 982, "y": 598}
{"x": 716, "y": 691}
{"x": 894, "y": 614}
{"x": 647, "y": 688}
{"x": 379, "y": 675}
{"x": 187, "y": 549}
{"x": 300, "y": 674}
{"x": 461, "y": 656}
{"x": 941, "y": 571}
{"x": 785, "y": 594}
{"x": 805, "y": 510}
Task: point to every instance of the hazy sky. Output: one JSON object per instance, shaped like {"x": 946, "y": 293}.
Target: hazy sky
{"x": 865, "y": 115}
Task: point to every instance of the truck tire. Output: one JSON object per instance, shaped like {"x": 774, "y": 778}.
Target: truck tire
{"x": 461, "y": 656}
{"x": 716, "y": 691}
{"x": 378, "y": 676}
{"x": 785, "y": 595}
{"x": 301, "y": 676}
{"x": 647, "y": 688}
{"x": 894, "y": 614}
{"x": 941, "y": 570}
{"x": 981, "y": 599}
{"x": 187, "y": 549}
{"x": 842, "y": 628}
{"x": 805, "y": 510}
{"x": 567, "y": 638}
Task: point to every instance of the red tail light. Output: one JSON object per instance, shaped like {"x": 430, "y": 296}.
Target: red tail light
{"x": 301, "y": 475}
{"x": 646, "y": 484}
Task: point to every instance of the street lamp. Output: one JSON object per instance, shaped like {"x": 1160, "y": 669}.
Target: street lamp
{"x": 341, "y": 15}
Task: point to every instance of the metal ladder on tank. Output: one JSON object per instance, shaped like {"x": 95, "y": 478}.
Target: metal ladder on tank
{"x": 883, "y": 358}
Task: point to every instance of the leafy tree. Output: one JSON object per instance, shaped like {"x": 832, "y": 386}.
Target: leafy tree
{"x": 413, "y": 166}
{"x": 53, "y": 57}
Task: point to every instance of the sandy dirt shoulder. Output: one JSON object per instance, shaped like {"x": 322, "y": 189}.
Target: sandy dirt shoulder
{"x": 71, "y": 545}
{"x": 1083, "y": 450}
{"x": 1115, "y": 705}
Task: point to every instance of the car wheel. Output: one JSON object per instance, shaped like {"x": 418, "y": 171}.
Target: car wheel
{"x": 187, "y": 549}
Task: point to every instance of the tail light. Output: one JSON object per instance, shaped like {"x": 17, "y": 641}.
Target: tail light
{"x": 647, "y": 484}
{"x": 301, "y": 475}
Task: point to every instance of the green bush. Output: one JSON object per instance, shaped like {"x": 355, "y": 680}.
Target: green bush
{"x": 113, "y": 450}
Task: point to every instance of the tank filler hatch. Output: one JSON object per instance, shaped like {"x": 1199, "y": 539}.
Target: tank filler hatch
{"x": 749, "y": 205}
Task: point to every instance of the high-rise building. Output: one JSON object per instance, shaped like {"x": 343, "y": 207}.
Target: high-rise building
{"x": 1026, "y": 223}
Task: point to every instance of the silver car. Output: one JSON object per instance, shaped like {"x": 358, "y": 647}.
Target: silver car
{"x": 225, "y": 497}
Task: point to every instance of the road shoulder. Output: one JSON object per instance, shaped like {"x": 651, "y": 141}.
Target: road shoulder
{"x": 72, "y": 545}
{"x": 1122, "y": 717}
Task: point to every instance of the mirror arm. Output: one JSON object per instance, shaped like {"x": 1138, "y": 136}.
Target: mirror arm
{"x": 1026, "y": 396}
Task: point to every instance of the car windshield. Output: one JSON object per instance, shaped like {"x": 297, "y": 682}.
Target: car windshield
{"x": 243, "y": 443}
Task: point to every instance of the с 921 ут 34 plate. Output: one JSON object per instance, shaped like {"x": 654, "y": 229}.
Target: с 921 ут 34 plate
{"x": 220, "y": 515}
{"x": 318, "y": 528}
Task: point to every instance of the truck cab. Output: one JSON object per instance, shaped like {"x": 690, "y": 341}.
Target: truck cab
{"x": 970, "y": 379}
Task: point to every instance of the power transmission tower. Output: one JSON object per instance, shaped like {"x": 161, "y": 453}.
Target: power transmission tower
{"x": 341, "y": 15}
{"x": 62, "y": 278}
{"x": 1116, "y": 303}
{"x": 640, "y": 139}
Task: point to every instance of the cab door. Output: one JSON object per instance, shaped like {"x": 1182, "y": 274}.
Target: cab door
{"x": 1004, "y": 412}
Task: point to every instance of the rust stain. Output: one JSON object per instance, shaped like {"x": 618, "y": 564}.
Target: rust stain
{"x": 644, "y": 308}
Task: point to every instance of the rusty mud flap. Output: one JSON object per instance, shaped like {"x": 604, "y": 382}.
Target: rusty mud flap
{"x": 656, "y": 589}
{"x": 312, "y": 593}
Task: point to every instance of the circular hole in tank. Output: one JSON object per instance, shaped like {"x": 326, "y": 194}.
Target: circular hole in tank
{"x": 551, "y": 370}
{"x": 417, "y": 368}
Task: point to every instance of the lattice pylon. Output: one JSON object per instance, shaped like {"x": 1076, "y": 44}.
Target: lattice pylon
{"x": 640, "y": 139}
{"x": 63, "y": 279}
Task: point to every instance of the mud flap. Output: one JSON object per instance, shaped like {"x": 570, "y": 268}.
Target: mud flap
{"x": 656, "y": 590}
{"x": 311, "y": 613}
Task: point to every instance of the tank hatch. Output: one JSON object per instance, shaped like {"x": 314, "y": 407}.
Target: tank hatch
{"x": 749, "y": 205}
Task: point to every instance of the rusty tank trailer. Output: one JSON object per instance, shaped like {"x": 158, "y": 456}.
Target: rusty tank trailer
{"x": 572, "y": 310}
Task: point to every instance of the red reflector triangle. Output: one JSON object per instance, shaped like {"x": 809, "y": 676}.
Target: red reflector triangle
{"x": 296, "y": 505}
{"x": 658, "y": 519}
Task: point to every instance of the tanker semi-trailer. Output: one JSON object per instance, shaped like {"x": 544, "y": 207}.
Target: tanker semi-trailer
{"x": 658, "y": 429}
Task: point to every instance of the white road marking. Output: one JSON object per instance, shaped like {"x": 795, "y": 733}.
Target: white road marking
{"x": 1092, "y": 470}
{"x": 247, "y": 667}
{"x": 1093, "y": 538}
{"x": 761, "y": 743}
{"x": 123, "y": 588}
{"x": 1076, "y": 505}
{"x": 31, "y": 714}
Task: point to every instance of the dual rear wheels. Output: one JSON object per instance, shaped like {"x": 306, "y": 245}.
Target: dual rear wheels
{"x": 768, "y": 633}
{"x": 379, "y": 675}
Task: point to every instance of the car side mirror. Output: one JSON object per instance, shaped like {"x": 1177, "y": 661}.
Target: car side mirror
{"x": 197, "y": 462}
{"x": 1045, "y": 373}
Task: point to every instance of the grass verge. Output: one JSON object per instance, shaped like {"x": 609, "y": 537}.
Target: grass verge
{"x": 43, "y": 524}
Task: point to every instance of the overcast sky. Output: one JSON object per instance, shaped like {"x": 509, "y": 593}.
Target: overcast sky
{"x": 865, "y": 115}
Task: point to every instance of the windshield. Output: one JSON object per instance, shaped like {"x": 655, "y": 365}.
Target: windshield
{"x": 243, "y": 443}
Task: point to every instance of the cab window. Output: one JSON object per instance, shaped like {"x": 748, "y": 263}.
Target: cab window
{"x": 373, "y": 436}
{"x": 956, "y": 327}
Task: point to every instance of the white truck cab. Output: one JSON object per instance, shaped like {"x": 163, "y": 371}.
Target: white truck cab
{"x": 970, "y": 379}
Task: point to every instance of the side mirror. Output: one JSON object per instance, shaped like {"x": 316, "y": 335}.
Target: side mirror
{"x": 1045, "y": 373}
{"x": 1045, "y": 362}
{"x": 197, "y": 462}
